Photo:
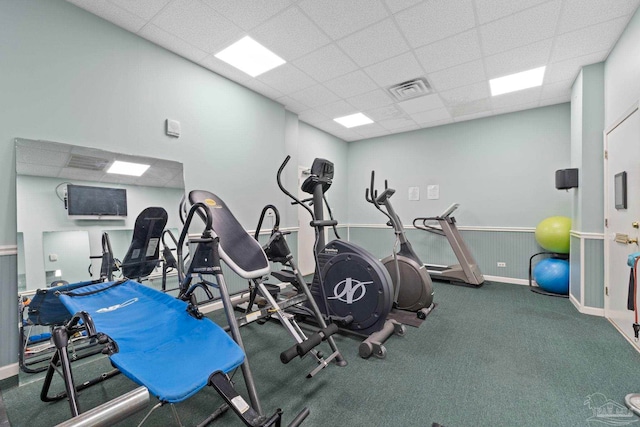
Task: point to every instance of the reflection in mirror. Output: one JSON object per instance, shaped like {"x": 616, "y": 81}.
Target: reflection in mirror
{"x": 45, "y": 228}
{"x": 64, "y": 252}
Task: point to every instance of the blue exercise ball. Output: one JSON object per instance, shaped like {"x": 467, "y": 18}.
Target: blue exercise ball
{"x": 552, "y": 275}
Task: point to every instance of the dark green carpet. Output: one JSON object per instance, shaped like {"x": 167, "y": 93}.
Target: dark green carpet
{"x": 495, "y": 356}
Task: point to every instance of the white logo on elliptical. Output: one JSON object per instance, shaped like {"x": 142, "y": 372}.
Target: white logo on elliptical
{"x": 117, "y": 306}
{"x": 349, "y": 290}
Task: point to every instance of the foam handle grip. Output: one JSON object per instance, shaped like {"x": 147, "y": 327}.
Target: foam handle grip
{"x": 288, "y": 355}
{"x": 315, "y": 339}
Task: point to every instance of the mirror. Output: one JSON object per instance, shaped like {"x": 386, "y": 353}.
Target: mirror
{"x": 53, "y": 245}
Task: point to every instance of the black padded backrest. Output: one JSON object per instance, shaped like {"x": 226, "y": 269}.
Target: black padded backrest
{"x": 144, "y": 252}
{"x": 238, "y": 249}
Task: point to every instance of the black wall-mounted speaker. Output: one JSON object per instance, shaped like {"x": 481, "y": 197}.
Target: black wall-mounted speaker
{"x": 566, "y": 179}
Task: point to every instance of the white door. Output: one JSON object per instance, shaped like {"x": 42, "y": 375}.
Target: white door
{"x": 622, "y": 145}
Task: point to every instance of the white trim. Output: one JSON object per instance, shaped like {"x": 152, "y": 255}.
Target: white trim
{"x": 8, "y": 250}
{"x": 460, "y": 227}
{"x": 511, "y": 280}
{"x": 592, "y": 311}
{"x": 582, "y": 272}
{"x": 9, "y": 371}
{"x": 629, "y": 340}
{"x": 622, "y": 118}
{"x": 587, "y": 235}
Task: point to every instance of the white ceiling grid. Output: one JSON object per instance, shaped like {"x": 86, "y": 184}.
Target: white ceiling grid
{"x": 343, "y": 55}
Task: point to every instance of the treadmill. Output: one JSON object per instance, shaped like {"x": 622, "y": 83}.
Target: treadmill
{"x": 467, "y": 271}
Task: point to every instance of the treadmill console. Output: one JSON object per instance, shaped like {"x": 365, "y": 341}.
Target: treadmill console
{"x": 449, "y": 210}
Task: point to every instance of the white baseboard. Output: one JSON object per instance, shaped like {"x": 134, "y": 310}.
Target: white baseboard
{"x": 9, "y": 371}
{"x": 592, "y": 311}
{"x": 511, "y": 280}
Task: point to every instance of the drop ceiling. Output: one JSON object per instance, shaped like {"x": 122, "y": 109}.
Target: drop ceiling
{"x": 343, "y": 55}
{"x": 58, "y": 160}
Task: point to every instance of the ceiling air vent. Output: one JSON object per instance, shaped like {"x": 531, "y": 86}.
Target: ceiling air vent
{"x": 87, "y": 162}
{"x": 410, "y": 89}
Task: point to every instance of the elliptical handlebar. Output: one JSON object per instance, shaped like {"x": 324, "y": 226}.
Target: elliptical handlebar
{"x": 276, "y": 224}
{"x": 296, "y": 201}
{"x": 374, "y": 195}
{"x": 426, "y": 227}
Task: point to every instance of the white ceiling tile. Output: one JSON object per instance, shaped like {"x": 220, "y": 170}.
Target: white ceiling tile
{"x": 314, "y": 96}
{"x": 474, "y": 116}
{"x": 369, "y": 100}
{"x": 583, "y": 13}
{"x": 557, "y": 89}
{"x": 435, "y": 123}
{"x": 423, "y": 103}
{"x": 435, "y": 20}
{"x": 145, "y": 9}
{"x": 452, "y": 51}
{"x": 465, "y": 94}
{"x": 37, "y": 170}
{"x": 384, "y": 113}
{"x": 520, "y": 97}
{"x": 473, "y": 107}
{"x": 569, "y": 69}
{"x": 374, "y": 44}
{"x": 290, "y": 34}
{"x": 339, "y": 18}
{"x": 514, "y": 108}
{"x": 460, "y": 75}
{"x": 263, "y": 89}
{"x": 400, "y": 123}
{"x": 395, "y": 70}
{"x": 588, "y": 40}
{"x": 351, "y": 84}
{"x": 247, "y": 14}
{"x": 292, "y": 104}
{"x": 371, "y": 130}
{"x": 172, "y": 43}
{"x": 316, "y": 63}
{"x": 337, "y": 109}
{"x": 519, "y": 59}
{"x": 81, "y": 174}
{"x": 287, "y": 79}
{"x": 490, "y": 10}
{"x": 431, "y": 116}
{"x": 520, "y": 29}
{"x": 347, "y": 135}
{"x": 313, "y": 116}
{"x": 398, "y": 5}
{"x": 112, "y": 13}
{"x": 333, "y": 126}
{"x": 224, "y": 69}
{"x": 198, "y": 25}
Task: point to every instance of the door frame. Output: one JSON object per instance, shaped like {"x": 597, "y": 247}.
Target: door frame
{"x": 608, "y": 241}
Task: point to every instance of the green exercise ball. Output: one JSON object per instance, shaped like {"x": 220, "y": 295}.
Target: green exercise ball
{"x": 553, "y": 234}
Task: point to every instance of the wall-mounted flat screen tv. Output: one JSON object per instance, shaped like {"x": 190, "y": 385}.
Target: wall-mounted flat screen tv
{"x": 86, "y": 202}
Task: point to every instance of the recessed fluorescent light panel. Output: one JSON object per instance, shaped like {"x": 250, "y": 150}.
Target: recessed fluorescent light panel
{"x": 127, "y": 168}
{"x": 353, "y": 120}
{"x": 250, "y": 56}
{"x": 517, "y": 81}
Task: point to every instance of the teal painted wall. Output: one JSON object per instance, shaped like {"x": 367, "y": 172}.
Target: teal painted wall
{"x": 594, "y": 273}
{"x": 71, "y": 77}
{"x": 500, "y": 169}
{"x": 574, "y": 268}
{"x": 488, "y": 248}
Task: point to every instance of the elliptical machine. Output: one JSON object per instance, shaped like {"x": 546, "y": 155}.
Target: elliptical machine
{"x": 348, "y": 281}
{"x": 413, "y": 290}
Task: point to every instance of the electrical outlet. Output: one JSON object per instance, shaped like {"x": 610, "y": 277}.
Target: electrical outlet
{"x": 502, "y": 264}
